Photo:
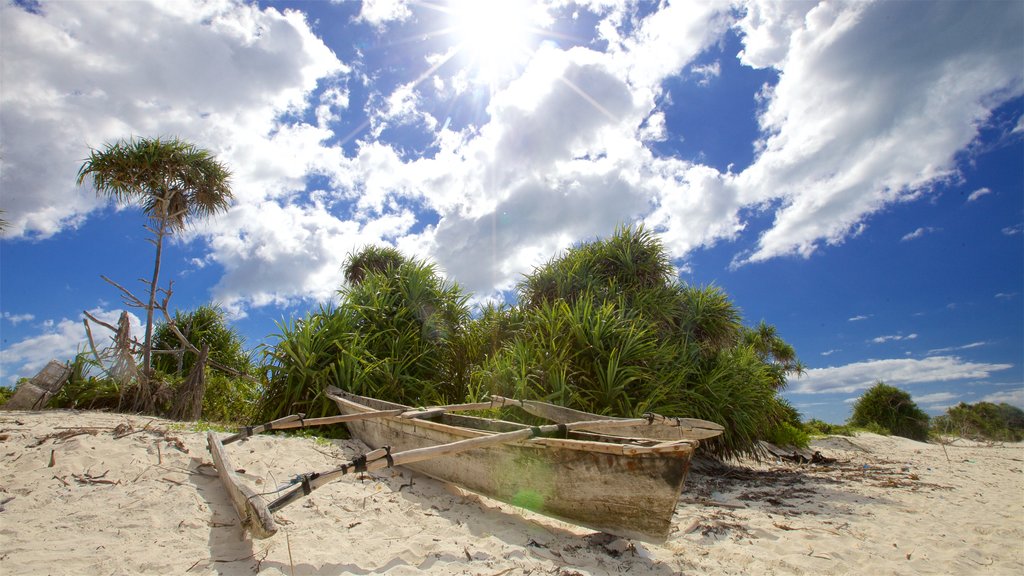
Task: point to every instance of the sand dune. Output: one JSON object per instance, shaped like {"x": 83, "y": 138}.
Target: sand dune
{"x": 98, "y": 493}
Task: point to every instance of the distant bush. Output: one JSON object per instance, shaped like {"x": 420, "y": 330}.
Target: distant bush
{"x": 815, "y": 427}
{"x": 982, "y": 421}
{"x": 785, "y": 434}
{"x": 5, "y": 394}
{"x": 892, "y": 411}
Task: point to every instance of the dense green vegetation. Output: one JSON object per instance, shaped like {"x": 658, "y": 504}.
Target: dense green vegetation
{"x": 231, "y": 393}
{"x": 892, "y": 410}
{"x": 982, "y": 421}
{"x": 605, "y": 328}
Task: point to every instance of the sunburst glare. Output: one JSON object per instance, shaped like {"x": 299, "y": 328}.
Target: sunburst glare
{"x": 495, "y": 37}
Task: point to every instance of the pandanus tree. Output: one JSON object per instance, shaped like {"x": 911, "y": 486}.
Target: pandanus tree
{"x": 173, "y": 181}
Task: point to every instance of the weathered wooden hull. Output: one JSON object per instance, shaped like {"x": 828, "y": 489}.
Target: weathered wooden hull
{"x": 622, "y": 486}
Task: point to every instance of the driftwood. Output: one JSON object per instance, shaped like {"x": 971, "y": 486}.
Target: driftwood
{"x": 35, "y": 393}
{"x": 251, "y": 509}
{"x": 795, "y": 454}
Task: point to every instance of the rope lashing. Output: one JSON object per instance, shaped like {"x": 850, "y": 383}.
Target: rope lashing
{"x": 561, "y": 431}
{"x": 306, "y": 488}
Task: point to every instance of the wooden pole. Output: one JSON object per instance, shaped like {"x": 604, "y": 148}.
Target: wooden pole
{"x": 251, "y": 509}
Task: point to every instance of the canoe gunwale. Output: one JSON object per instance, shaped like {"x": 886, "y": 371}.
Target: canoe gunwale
{"x": 608, "y": 444}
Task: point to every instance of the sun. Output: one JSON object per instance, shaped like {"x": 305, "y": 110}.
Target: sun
{"x": 494, "y": 37}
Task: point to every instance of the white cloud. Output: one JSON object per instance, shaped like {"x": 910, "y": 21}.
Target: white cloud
{"x": 851, "y": 125}
{"x": 60, "y": 340}
{"x": 1013, "y": 397}
{"x": 16, "y": 319}
{"x": 857, "y": 318}
{"x": 855, "y": 122}
{"x": 1013, "y": 230}
{"x": 707, "y": 72}
{"x": 955, "y": 348}
{"x": 917, "y": 234}
{"x": 895, "y": 372}
{"x": 978, "y": 194}
{"x": 893, "y": 338}
{"x": 934, "y": 398}
{"x": 80, "y": 75}
{"x": 380, "y": 12}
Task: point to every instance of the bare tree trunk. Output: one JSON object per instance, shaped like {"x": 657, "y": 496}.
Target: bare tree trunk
{"x": 147, "y": 347}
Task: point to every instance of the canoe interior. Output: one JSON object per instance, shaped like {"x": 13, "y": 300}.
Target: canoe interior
{"x": 579, "y": 479}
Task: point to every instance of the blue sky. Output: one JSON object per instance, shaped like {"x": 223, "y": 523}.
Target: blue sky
{"x": 851, "y": 172}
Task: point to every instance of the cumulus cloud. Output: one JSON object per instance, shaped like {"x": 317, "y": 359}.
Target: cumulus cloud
{"x": 851, "y": 127}
{"x": 61, "y": 339}
{"x": 895, "y": 372}
{"x": 855, "y": 122}
{"x": 380, "y": 12}
{"x": 79, "y": 74}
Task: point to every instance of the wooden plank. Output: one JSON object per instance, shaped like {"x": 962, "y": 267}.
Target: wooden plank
{"x": 251, "y": 509}
{"x": 35, "y": 393}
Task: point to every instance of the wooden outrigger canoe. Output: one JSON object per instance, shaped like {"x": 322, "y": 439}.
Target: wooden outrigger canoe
{"x": 574, "y": 469}
{"x": 623, "y": 485}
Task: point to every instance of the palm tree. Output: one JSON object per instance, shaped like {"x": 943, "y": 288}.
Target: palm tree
{"x": 173, "y": 180}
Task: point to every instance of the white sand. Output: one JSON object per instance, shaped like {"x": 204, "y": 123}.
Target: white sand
{"x": 139, "y": 505}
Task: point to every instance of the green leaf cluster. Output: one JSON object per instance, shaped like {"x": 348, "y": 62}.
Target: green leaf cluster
{"x": 394, "y": 336}
{"x": 206, "y": 325}
{"x": 892, "y": 410}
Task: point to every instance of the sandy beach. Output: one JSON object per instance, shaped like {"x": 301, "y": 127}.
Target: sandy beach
{"x": 99, "y": 493}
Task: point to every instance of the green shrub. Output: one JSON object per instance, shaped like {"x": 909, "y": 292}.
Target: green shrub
{"x": 397, "y": 335}
{"x": 230, "y": 399}
{"x": 785, "y": 434}
{"x": 816, "y": 427}
{"x": 5, "y": 394}
{"x": 892, "y": 410}
{"x": 982, "y": 421}
{"x": 206, "y": 325}
{"x": 86, "y": 391}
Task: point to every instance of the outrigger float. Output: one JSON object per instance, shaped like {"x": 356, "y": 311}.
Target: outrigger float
{"x": 622, "y": 476}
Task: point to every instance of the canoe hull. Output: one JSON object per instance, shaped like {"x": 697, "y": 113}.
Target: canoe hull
{"x": 578, "y": 481}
